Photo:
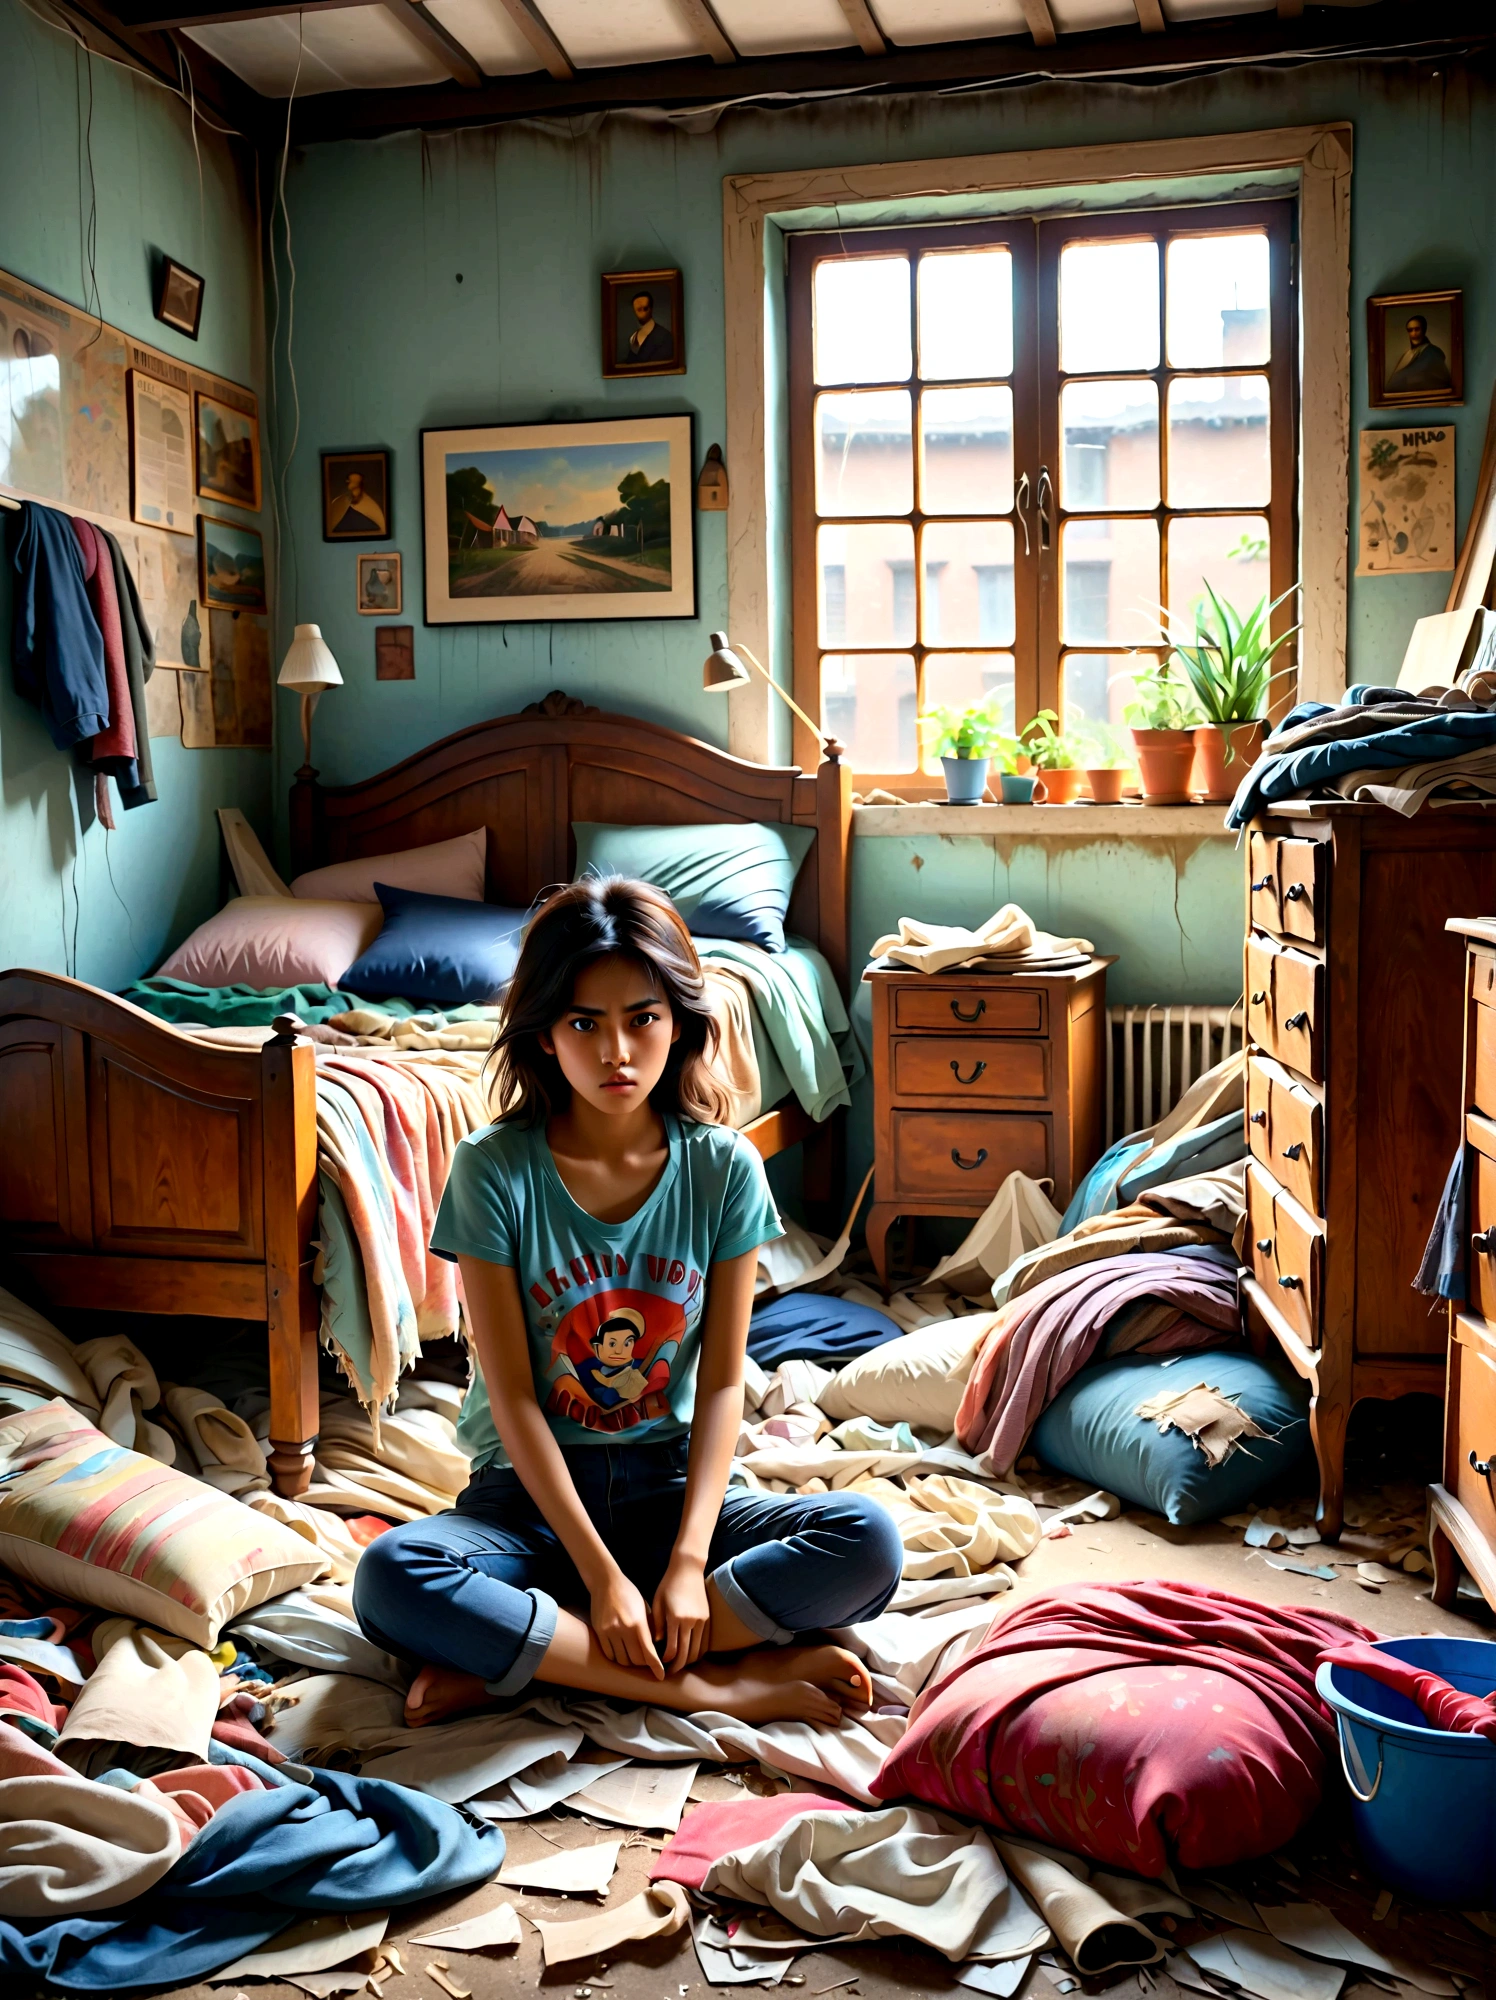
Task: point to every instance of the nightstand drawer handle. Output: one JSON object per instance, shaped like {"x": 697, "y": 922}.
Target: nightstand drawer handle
{"x": 1265, "y": 883}
{"x": 968, "y": 1166}
{"x": 976, "y": 1014}
{"x": 1258, "y": 998}
{"x": 1483, "y": 1242}
{"x": 1482, "y": 1466}
{"x": 1265, "y": 1245}
{"x": 1291, "y": 1284}
{"x": 1295, "y": 892}
{"x": 1259, "y": 1118}
{"x": 979, "y": 1070}
{"x": 1294, "y": 1151}
{"x": 1300, "y": 1020}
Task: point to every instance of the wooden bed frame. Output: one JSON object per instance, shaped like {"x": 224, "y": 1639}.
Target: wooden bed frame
{"x": 143, "y": 1170}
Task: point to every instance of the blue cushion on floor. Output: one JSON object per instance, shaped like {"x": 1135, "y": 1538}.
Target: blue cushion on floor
{"x": 1093, "y": 1432}
{"x": 813, "y": 1326}
{"x": 439, "y": 948}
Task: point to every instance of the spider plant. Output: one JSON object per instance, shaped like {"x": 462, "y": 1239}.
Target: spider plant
{"x": 1228, "y": 657}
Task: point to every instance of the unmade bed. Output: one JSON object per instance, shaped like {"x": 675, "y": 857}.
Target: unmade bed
{"x": 152, "y": 1169}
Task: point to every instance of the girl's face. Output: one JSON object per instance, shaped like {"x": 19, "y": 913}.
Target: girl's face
{"x": 615, "y": 1038}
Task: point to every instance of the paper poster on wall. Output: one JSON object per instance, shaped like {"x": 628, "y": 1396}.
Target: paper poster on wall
{"x": 239, "y": 655}
{"x": 1407, "y": 502}
{"x": 160, "y": 454}
{"x": 33, "y": 334}
{"x": 165, "y": 568}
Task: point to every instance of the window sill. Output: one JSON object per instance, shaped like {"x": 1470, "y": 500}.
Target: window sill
{"x": 1075, "y": 822}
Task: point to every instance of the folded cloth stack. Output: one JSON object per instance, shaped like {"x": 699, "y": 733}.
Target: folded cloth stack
{"x": 1373, "y": 730}
{"x": 1009, "y": 941}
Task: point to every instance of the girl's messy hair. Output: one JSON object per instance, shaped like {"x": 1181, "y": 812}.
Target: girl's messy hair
{"x": 604, "y": 917}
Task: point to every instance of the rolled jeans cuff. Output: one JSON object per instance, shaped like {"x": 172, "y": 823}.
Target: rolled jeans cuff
{"x": 743, "y": 1607}
{"x": 532, "y": 1648}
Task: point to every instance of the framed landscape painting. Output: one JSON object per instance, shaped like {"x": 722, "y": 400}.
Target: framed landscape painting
{"x": 551, "y": 521}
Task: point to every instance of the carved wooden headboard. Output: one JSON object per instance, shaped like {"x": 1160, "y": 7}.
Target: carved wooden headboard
{"x": 528, "y": 777}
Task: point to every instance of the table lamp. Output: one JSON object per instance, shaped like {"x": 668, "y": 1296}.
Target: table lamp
{"x": 724, "y": 670}
{"x": 309, "y": 667}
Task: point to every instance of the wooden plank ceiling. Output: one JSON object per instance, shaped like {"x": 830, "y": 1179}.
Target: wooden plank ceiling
{"x": 366, "y": 66}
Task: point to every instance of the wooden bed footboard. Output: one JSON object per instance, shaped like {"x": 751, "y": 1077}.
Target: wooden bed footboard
{"x": 143, "y": 1170}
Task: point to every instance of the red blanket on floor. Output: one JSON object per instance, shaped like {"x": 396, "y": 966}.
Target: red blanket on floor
{"x": 1141, "y": 1724}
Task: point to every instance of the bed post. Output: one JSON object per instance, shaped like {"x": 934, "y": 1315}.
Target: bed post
{"x": 825, "y": 1150}
{"x": 289, "y": 1097}
{"x": 306, "y": 821}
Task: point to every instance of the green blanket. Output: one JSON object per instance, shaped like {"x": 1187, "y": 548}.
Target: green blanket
{"x": 802, "y": 1016}
{"x": 184, "y": 1005}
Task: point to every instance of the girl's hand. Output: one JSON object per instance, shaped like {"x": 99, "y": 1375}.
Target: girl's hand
{"x": 681, "y": 1615}
{"x": 620, "y": 1618}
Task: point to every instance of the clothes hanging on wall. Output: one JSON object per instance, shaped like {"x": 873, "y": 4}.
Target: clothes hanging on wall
{"x": 57, "y": 647}
{"x": 112, "y": 751}
{"x": 140, "y": 664}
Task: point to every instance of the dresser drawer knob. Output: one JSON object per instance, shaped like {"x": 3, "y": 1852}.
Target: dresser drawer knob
{"x": 1265, "y": 1245}
{"x": 976, "y": 1013}
{"x": 1483, "y": 1242}
{"x": 979, "y": 1069}
{"x": 1480, "y": 1466}
{"x": 1300, "y": 1020}
{"x": 1259, "y": 1118}
{"x": 1258, "y": 998}
{"x": 1294, "y": 893}
{"x": 968, "y": 1166}
{"x": 1291, "y": 1284}
{"x": 1265, "y": 883}
{"x": 1295, "y": 1151}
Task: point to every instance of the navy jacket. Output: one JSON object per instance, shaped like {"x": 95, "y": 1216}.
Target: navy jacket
{"x": 57, "y": 647}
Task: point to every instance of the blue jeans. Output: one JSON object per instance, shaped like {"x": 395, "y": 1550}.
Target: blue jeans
{"x": 476, "y": 1590}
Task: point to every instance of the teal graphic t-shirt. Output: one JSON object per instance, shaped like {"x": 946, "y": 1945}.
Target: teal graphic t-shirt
{"x": 613, "y": 1309}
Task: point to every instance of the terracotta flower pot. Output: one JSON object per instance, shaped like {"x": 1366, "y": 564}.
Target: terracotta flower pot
{"x": 1062, "y": 786}
{"x": 1106, "y": 786}
{"x": 1224, "y": 753}
{"x": 1166, "y": 758}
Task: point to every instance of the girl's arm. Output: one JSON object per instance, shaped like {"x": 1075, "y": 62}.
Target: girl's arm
{"x": 681, "y": 1615}
{"x": 620, "y": 1617}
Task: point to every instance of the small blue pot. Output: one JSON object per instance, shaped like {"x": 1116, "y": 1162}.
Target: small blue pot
{"x": 965, "y": 779}
{"x": 1018, "y": 791}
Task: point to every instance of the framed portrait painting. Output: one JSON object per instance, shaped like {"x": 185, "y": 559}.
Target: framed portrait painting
{"x": 379, "y": 586}
{"x": 356, "y": 496}
{"x": 558, "y": 521}
{"x": 1416, "y": 350}
{"x": 231, "y": 565}
{"x": 228, "y": 454}
{"x": 644, "y": 326}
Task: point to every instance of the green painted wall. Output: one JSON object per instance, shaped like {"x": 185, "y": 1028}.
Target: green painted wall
{"x": 454, "y": 279}
{"x": 73, "y": 898}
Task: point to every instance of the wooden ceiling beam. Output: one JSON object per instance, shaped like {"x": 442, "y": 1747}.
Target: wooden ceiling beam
{"x": 708, "y": 30}
{"x": 227, "y": 97}
{"x": 536, "y": 31}
{"x": 860, "y": 20}
{"x": 263, "y": 10}
{"x": 437, "y": 42}
{"x": 1290, "y": 10}
{"x": 1040, "y": 22}
{"x": 1150, "y": 17}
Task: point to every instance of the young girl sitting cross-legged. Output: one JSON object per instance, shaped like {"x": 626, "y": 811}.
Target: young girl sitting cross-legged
{"x": 607, "y": 1229}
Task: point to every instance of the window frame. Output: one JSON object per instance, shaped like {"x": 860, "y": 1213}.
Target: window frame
{"x": 1034, "y": 243}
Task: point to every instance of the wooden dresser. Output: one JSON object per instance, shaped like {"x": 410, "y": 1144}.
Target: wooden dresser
{"x": 1354, "y": 1030}
{"x": 977, "y": 1075}
{"x": 1462, "y": 1511}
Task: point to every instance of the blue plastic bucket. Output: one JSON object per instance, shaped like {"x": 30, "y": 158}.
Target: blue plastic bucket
{"x": 1424, "y": 1799}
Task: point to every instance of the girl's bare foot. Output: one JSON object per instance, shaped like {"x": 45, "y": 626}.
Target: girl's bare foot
{"x": 778, "y": 1684}
{"x": 439, "y": 1693}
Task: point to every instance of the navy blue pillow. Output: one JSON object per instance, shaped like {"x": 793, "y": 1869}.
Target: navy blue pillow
{"x": 814, "y": 1326}
{"x": 439, "y": 948}
{"x": 728, "y": 881}
{"x": 1092, "y": 1431}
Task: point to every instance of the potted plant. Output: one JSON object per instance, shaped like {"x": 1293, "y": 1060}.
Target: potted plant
{"x": 1162, "y": 716}
{"x": 1228, "y": 660}
{"x": 1106, "y": 761}
{"x": 1055, "y": 756}
{"x": 966, "y": 740}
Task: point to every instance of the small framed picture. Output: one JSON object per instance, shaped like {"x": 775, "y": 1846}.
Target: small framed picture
{"x": 379, "y": 589}
{"x": 179, "y": 297}
{"x": 644, "y": 325}
{"x": 228, "y": 454}
{"x": 1416, "y": 349}
{"x": 356, "y": 496}
{"x": 231, "y": 565}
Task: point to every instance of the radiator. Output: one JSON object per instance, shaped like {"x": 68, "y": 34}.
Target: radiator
{"x": 1154, "y": 1054}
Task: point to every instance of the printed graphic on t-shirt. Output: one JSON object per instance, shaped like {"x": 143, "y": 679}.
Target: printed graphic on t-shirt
{"x": 611, "y": 1358}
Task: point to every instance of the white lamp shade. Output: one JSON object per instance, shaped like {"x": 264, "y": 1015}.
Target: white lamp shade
{"x": 309, "y": 663}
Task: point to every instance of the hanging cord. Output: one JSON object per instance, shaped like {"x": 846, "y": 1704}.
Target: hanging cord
{"x": 282, "y": 510}
{"x": 64, "y": 26}
{"x": 184, "y": 68}
{"x": 89, "y": 230}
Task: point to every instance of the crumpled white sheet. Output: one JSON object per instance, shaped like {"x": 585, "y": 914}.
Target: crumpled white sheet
{"x": 904, "y": 1654}
{"x": 125, "y": 1384}
{"x": 900, "y": 1872}
{"x": 69, "y": 1846}
{"x": 225, "y": 1451}
{"x": 954, "y": 1526}
{"x": 315, "y": 1627}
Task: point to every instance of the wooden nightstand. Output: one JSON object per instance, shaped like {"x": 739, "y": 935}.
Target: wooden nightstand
{"x": 977, "y": 1075}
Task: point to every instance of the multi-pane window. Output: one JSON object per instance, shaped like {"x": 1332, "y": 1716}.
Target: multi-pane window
{"x": 1013, "y": 443}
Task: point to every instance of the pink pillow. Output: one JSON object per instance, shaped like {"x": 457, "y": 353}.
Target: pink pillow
{"x": 270, "y": 942}
{"x": 446, "y": 868}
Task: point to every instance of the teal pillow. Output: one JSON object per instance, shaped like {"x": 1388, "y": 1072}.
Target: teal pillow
{"x": 726, "y": 881}
{"x": 1093, "y": 1432}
